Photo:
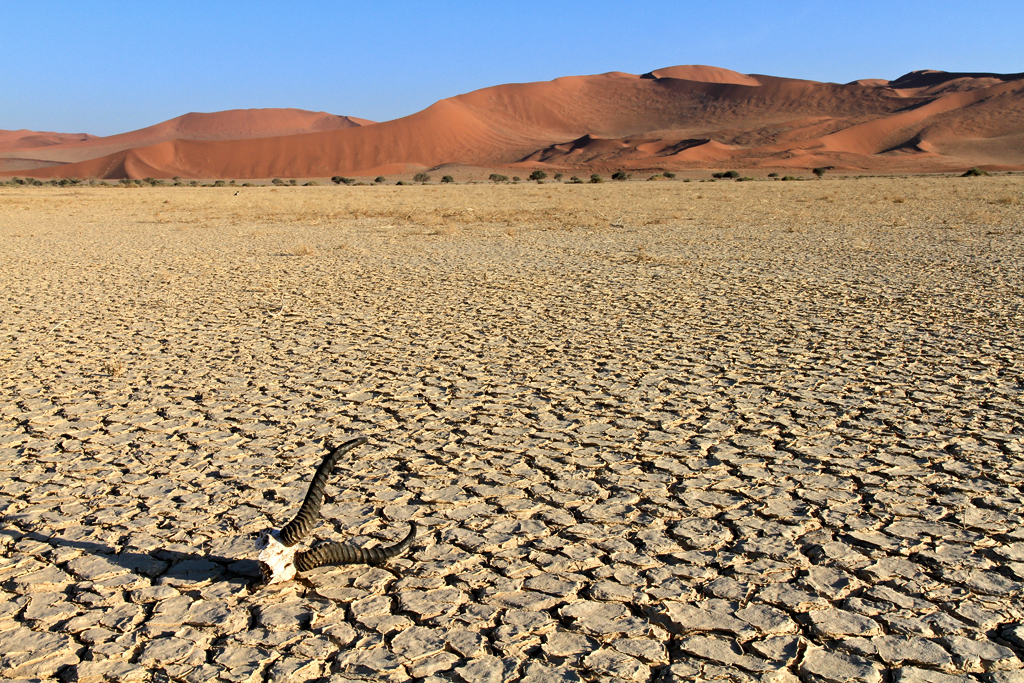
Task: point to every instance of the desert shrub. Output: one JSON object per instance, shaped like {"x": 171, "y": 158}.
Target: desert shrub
{"x": 656, "y": 176}
{"x": 497, "y": 178}
{"x": 421, "y": 178}
{"x": 248, "y": 185}
{"x": 275, "y": 181}
{"x": 731, "y": 174}
{"x": 17, "y": 181}
{"x": 773, "y": 175}
{"x": 311, "y": 183}
{"x": 819, "y": 171}
{"x": 176, "y": 178}
{"x": 558, "y": 177}
{"x": 379, "y": 179}
{"x": 789, "y": 177}
{"x": 447, "y": 179}
{"x": 972, "y": 172}
{"x": 340, "y": 179}
{"x": 219, "y": 183}
{"x": 516, "y": 179}
{"x": 669, "y": 174}
{"x": 401, "y": 182}
{"x": 538, "y": 175}
{"x": 743, "y": 179}
{"x": 293, "y": 181}
{"x": 595, "y": 178}
{"x": 575, "y": 180}
{"x": 195, "y": 183}
{"x": 621, "y": 175}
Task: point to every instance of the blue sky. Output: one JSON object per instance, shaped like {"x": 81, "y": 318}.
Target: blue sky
{"x": 109, "y": 67}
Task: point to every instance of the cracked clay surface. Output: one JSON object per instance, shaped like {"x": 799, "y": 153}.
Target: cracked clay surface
{"x": 662, "y": 452}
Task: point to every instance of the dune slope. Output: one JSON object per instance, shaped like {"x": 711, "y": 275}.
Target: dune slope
{"x": 679, "y": 117}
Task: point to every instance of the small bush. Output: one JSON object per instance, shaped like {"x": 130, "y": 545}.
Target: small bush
{"x": 621, "y": 175}
{"x": 575, "y": 180}
{"x": 401, "y": 182}
{"x": 595, "y": 178}
{"x": 497, "y": 178}
{"x": 176, "y": 178}
{"x": 311, "y": 183}
{"x": 219, "y": 183}
{"x": 538, "y": 175}
{"x": 293, "y": 181}
{"x": 379, "y": 179}
{"x": 669, "y": 174}
{"x": 340, "y": 179}
{"x": 974, "y": 172}
{"x": 558, "y": 177}
{"x": 819, "y": 171}
{"x": 421, "y": 178}
{"x": 773, "y": 175}
{"x": 789, "y": 177}
{"x": 656, "y": 176}
{"x": 447, "y": 179}
{"x": 516, "y": 179}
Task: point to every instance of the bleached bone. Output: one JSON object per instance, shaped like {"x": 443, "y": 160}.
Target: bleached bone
{"x": 278, "y": 558}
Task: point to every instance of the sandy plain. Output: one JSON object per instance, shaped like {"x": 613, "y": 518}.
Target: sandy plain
{"x": 651, "y": 431}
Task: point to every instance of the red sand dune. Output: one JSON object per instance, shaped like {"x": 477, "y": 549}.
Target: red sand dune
{"x": 678, "y": 118}
{"x": 235, "y": 124}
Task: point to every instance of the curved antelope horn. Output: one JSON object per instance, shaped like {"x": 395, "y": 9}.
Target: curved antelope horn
{"x": 303, "y": 523}
{"x": 343, "y": 553}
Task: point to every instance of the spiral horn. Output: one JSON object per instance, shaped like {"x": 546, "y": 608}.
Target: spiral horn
{"x": 299, "y": 528}
{"x": 343, "y": 553}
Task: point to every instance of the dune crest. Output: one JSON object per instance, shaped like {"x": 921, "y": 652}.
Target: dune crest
{"x": 675, "y": 118}
{"x": 703, "y": 74}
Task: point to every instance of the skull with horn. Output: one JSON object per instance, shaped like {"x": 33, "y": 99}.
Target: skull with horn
{"x": 278, "y": 558}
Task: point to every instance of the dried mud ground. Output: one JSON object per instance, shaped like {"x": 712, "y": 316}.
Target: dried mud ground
{"x": 650, "y": 431}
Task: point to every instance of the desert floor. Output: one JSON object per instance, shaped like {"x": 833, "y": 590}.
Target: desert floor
{"x": 649, "y": 430}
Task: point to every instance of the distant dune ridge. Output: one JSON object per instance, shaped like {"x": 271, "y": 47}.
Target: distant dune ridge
{"x": 676, "y": 118}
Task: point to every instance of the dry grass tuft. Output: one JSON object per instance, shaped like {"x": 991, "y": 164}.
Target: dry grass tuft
{"x": 114, "y": 368}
